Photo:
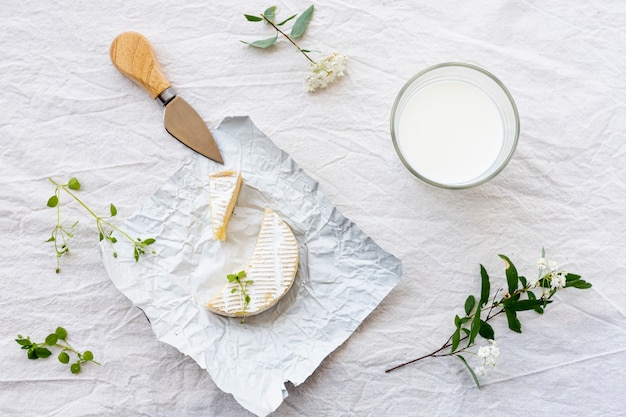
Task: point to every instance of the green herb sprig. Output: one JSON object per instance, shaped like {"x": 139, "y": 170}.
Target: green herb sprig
{"x": 61, "y": 234}
{"x": 242, "y": 283}
{"x": 57, "y": 339}
{"x": 518, "y": 296}
{"x": 298, "y": 29}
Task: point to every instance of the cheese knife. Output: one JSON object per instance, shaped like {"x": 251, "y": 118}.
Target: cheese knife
{"x": 133, "y": 56}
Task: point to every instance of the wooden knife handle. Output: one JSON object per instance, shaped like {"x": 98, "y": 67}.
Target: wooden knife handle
{"x": 133, "y": 56}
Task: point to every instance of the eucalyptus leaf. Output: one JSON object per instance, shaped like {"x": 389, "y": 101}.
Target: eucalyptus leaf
{"x": 252, "y": 18}
{"x": 270, "y": 13}
{"x": 302, "y": 23}
{"x": 471, "y": 371}
{"x": 286, "y": 20}
{"x": 263, "y": 43}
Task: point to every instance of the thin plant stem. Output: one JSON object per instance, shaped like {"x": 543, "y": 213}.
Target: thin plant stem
{"x": 288, "y": 38}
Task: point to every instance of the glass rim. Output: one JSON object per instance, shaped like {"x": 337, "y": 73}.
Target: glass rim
{"x": 498, "y": 83}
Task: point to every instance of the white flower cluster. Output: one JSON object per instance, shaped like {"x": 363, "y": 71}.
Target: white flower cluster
{"x": 325, "y": 71}
{"x": 550, "y": 269}
{"x": 490, "y": 355}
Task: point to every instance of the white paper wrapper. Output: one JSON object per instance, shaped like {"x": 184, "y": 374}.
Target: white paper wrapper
{"x": 342, "y": 275}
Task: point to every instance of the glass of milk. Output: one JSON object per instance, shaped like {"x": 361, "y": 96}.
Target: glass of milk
{"x": 454, "y": 125}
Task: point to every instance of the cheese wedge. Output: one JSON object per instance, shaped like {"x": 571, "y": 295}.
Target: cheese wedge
{"x": 272, "y": 270}
{"x": 223, "y": 191}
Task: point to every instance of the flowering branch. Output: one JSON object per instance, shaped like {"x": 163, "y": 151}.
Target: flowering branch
{"x": 471, "y": 325}
{"x": 324, "y": 71}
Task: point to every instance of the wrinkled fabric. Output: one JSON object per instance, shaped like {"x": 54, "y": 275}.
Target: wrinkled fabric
{"x": 66, "y": 111}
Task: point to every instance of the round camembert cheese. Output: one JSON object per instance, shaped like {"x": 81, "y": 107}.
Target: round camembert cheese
{"x": 272, "y": 269}
{"x": 223, "y": 191}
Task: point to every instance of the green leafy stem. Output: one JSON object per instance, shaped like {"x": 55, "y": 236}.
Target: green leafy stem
{"x": 242, "y": 287}
{"x": 57, "y": 339}
{"x": 298, "y": 29}
{"x": 61, "y": 234}
{"x": 519, "y": 296}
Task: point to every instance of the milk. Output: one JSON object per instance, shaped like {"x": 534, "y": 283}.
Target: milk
{"x": 450, "y": 132}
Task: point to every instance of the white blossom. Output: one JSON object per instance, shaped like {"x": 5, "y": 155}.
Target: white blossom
{"x": 533, "y": 282}
{"x": 558, "y": 279}
{"x": 325, "y": 71}
{"x": 489, "y": 354}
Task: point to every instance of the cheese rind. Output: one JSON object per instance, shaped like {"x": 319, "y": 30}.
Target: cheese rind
{"x": 223, "y": 192}
{"x": 272, "y": 269}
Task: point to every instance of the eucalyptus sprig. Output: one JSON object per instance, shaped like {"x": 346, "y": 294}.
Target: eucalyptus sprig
{"x": 323, "y": 71}
{"x": 57, "y": 339}
{"x": 61, "y": 234}
{"x": 518, "y": 296}
{"x": 298, "y": 29}
{"x": 242, "y": 283}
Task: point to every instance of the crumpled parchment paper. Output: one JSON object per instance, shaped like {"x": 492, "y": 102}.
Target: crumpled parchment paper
{"x": 343, "y": 274}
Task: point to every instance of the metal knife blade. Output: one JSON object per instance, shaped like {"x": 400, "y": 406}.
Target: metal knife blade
{"x": 133, "y": 56}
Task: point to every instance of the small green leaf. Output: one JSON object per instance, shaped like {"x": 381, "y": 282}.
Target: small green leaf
{"x": 75, "y": 368}
{"x": 456, "y": 339}
{"x": 252, "y": 18}
{"x": 248, "y": 282}
{"x": 32, "y": 354}
{"x": 247, "y": 299}
{"x": 512, "y": 278}
{"x": 242, "y": 274}
{"x": 88, "y": 355}
{"x": 514, "y": 323}
{"x": 136, "y": 254}
{"x": 61, "y": 333}
{"x": 523, "y": 281}
{"x": 113, "y": 210}
{"x": 42, "y": 352}
{"x": 475, "y": 328}
{"x": 523, "y": 305}
{"x": 25, "y": 343}
{"x": 52, "y": 239}
{"x": 485, "y": 287}
{"x": 52, "y": 339}
{"x": 263, "y": 43}
{"x": 471, "y": 371}
{"x": 101, "y": 236}
{"x": 287, "y": 20}
{"x": 457, "y": 321}
{"x": 580, "y": 284}
{"x": 302, "y": 23}
{"x": 53, "y": 201}
{"x": 469, "y": 304}
{"x": 148, "y": 241}
{"x": 270, "y": 13}
{"x": 486, "y": 330}
{"x": 231, "y": 277}
{"x": 74, "y": 184}
{"x": 64, "y": 357}
{"x": 234, "y": 290}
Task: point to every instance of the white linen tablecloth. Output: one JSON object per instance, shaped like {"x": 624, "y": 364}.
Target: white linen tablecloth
{"x": 66, "y": 111}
